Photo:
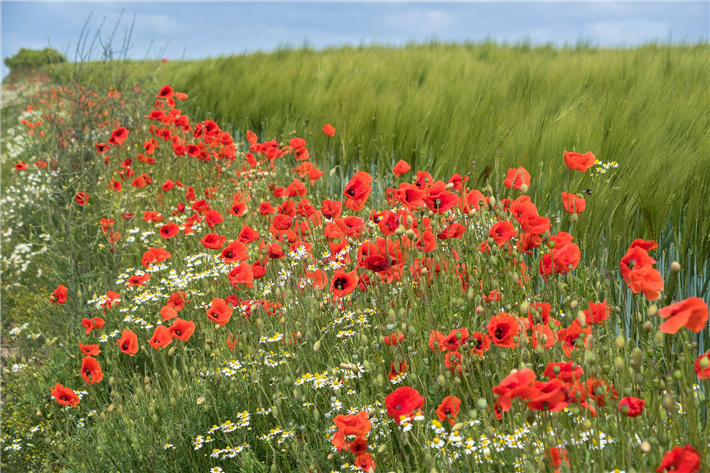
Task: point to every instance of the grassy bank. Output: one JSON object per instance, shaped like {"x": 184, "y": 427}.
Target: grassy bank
{"x": 483, "y": 108}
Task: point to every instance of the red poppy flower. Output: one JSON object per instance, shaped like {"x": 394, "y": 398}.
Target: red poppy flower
{"x": 90, "y": 324}
{"x": 631, "y": 406}
{"x": 597, "y": 313}
{"x": 241, "y": 275}
{"x": 549, "y": 396}
{"x": 136, "y": 280}
{"x": 516, "y": 384}
{"x": 680, "y": 460}
{"x": 557, "y": 456}
{"x": 481, "y": 343}
{"x": 182, "y": 329}
{"x": 573, "y": 204}
{"x": 20, "y": 166}
{"x": 452, "y": 360}
{"x": 64, "y": 396}
{"x": 297, "y": 143}
{"x": 343, "y": 283}
{"x": 235, "y": 251}
{"x": 402, "y": 402}
{"x": 646, "y": 280}
{"x": 578, "y": 161}
{"x": 91, "y": 370}
{"x": 364, "y": 461}
{"x": 353, "y": 424}
{"x": 397, "y": 370}
{"x": 440, "y": 202}
{"x": 168, "y": 313}
{"x": 169, "y": 230}
{"x": 165, "y": 92}
{"x": 247, "y": 235}
{"x": 161, "y": 337}
{"x": 402, "y": 167}
{"x": 118, "y": 136}
{"x": 331, "y": 209}
{"x": 449, "y": 409}
{"x": 219, "y": 312}
{"x": 646, "y": 245}
{"x": 502, "y": 329}
{"x": 154, "y": 255}
{"x": 213, "y": 217}
{"x": 115, "y": 185}
{"x": 82, "y": 198}
{"x": 213, "y": 241}
{"x": 516, "y": 177}
{"x": 394, "y": 339}
{"x": 455, "y": 338}
{"x": 357, "y": 191}
{"x": 128, "y": 343}
{"x": 59, "y": 295}
{"x": 502, "y": 232}
{"x": 702, "y": 366}
{"x": 571, "y": 335}
{"x": 691, "y": 313}
{"x": 636, "y": 258}
{"x": 329, "y": 130}
{"x": 566, "y": 258}
{"x": 569, "y": 371}
{"x": 92, "y": 350}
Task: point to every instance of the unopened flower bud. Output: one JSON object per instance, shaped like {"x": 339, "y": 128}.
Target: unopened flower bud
{"x": 675, "y": 267}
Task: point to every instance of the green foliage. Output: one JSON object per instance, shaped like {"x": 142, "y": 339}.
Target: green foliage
{"x": 34, "y": 58}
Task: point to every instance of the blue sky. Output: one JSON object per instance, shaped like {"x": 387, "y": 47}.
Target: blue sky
{"x": 201, "y": 29}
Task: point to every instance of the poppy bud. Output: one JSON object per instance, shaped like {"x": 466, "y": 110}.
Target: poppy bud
{"x": 38, "y": 414}
{"x": 574, "y": 218}
{"x": 658, "y": 338}
{"x": 619, "y": 363}
{"x": 482, "y": 403}
{"x": 675, "y": 267}
{"x": 524, "y": 188}
{"x": 647, "y": 326}
{"x": 587, "y": 424}
{"x": 645, "y": 445}
{"x": 636, "y": 357}
{"x": 668, "y": 403}
{"x": 620, "y": 341}
{"x": 316, "y": 346}
{"x": 171, "y": 352}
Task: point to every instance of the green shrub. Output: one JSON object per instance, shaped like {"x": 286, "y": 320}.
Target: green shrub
{"x": 32, "y": 59}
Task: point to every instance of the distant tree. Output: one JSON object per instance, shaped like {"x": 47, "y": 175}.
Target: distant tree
{"x": 32, "y": 59}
